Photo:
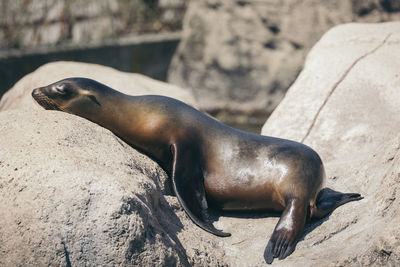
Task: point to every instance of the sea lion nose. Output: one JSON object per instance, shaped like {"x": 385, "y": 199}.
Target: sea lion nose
{"x": 35, "y": 92}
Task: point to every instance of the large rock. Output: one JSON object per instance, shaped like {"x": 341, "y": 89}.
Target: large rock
{"x": 73, "y": 194}
{"x": 346, "y": 105}
{"x": 19, "y": 97}
{"x": 241, "y": 56}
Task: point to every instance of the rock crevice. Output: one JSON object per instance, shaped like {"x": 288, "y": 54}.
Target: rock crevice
{"x": 340, "y": 80}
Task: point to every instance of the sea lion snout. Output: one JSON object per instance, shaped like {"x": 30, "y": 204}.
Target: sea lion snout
{"x": 36, "y": 92}
{"x": 53, "y": 90}
{"x": 42, "y": 99}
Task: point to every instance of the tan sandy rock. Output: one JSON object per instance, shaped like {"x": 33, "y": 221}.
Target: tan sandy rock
{"x": 346, "y": 105}
{"x": 73, "y": 194}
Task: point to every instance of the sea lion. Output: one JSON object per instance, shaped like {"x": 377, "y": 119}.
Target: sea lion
{"x": 210, "y": 164}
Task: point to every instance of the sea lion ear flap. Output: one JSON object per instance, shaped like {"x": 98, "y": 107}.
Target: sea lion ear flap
{"x": 94, "y": 99}
{"x": 90, "y": 96}
{"x": 188, "y": 185}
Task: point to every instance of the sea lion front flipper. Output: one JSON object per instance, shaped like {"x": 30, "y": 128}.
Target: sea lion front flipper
{"x": 188, "y": 185}
{"x": 287, "y": 231}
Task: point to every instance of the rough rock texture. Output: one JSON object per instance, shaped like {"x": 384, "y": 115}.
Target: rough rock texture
{"x": 241, "y": 56}
{"x": 19, "y": 97}
{"x": 346, "y": 105}
{"x": 73, "y": 194}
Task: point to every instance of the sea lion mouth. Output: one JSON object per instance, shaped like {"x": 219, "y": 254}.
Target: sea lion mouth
{"x": 44, "y": 100}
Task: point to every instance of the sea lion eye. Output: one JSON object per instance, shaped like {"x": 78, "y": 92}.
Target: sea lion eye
{"x": 60, "y": 89}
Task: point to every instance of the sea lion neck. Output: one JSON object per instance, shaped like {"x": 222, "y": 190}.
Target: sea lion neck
{"x": 134, "y": 119}
{"x": 118, "y": 109}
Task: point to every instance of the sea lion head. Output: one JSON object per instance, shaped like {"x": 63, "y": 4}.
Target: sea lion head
{"x": 73, "y": 95}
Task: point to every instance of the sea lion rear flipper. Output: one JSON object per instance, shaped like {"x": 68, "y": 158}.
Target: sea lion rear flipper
{"x": 328, "y": 200}
{"x": 287, "y": 231}
{"x": 188, "y": 185}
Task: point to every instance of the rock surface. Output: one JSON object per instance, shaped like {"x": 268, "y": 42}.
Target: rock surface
{"x": 346, "y": 105}
{"x": 241, "y": 56}
{"x": 19, "y": 97}
{"x": 73, "y": 194}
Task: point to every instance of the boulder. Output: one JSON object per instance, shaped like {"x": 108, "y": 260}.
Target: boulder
{"x": 73, "y": 194}
{"x": 346, "y": 105}
{"x": 241, "y": 56}
{"x": 19, "y": 96}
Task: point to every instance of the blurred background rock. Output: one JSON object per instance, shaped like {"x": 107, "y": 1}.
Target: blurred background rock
{"x": 29, "y": 23}
{"x": 238, "y": 57}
